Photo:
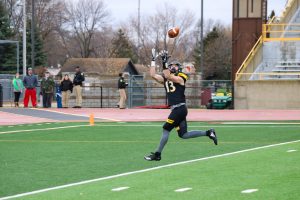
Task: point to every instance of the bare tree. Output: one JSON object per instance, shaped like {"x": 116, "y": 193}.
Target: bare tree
{"x": 84, "y": 18}
{"x": 153, "y": 32}
{"x": 101, "y": 43}
{"x": 49, "y": 16}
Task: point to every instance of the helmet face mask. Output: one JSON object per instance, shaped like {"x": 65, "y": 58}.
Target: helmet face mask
{"x": 175, "y": 67}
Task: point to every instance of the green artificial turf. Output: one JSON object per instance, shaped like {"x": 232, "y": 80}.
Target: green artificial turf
{"x": 48, "y": 158}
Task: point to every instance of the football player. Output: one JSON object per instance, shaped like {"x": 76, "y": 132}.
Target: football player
{"x": 174, "y": 81}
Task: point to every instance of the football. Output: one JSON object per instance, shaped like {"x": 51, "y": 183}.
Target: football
{"x": 173, "y": 32}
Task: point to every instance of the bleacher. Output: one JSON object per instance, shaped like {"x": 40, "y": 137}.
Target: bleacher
{"x": 269, "y": 78}
{"x": 286, "y": 70}
{"x": 277, "y": 53}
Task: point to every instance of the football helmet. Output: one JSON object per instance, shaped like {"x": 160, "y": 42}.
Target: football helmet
{"x": 175, "y": 67}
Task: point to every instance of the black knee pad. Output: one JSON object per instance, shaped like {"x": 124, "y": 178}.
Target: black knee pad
{"x": 182, "y": 129}
{"x": 167, "y": 126}
{"x": 180, "y": 132}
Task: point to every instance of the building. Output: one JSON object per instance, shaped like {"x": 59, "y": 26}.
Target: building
{"x": 97, "y": 69}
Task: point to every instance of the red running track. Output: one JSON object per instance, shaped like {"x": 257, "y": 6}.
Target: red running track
{"x": 133, "y": 115}
{"x": 194, "y": 114}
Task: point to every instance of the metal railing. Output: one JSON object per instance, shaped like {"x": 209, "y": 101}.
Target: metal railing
{"x": 252, "y": 54}
{"x": 140, "y": 93}
{"x": 271, "y": 32}
{"x": 280, "y": 32}
{"x": 249, "y": 58}
{"x": 269, "y": 76}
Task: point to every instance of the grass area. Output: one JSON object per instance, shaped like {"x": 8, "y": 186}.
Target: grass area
{"x": 48, "y": 158}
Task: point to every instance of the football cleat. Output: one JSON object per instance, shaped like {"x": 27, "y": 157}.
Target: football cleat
{"x": 153, "y": 156}
{"x": 211, "y": 133}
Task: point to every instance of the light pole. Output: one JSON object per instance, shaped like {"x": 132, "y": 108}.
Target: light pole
{"x": 201, "y": 46}
{"x": 24, "y": 38}
{"x": 32, "y": 34}
{"x": 139, "y": 29}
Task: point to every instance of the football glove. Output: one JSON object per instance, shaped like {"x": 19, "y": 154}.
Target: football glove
{"x": 164, "y": 57}
{"x": 154, "y": 57}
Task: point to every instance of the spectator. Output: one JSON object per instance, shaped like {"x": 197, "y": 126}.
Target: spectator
{"x": 18, "y": 88}
{"x": 121, "y": 86}
{"x": 66, "y": 88}
{"x": 47, "y": 87}
{"x": 77, "y": 83}
{"x": 30, "y": 82}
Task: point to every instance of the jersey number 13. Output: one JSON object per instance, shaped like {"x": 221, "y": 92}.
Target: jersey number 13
{"x": 170, "y": 86}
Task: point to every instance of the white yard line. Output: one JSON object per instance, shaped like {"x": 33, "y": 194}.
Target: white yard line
{"x": 196, "y": 126}
{"x": 249, "y": 191}
{"x": 139, "y": 125}
{"x": 183, "y": 189}
{"x": 261, "y": 123}
{"x": 119, "y": 189}
{"x": 292, "y": 150}
{"x": 41, "y": 129}
{"x": 145, "y": 170}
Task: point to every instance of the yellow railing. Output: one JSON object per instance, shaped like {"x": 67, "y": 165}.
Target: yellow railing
{"x": 262, "y": 76}
{"x": 271, "y": 35}
{"x": 251, "y": 54}
{"x": 248, "y": 58}
{"x": 280, "y": 32}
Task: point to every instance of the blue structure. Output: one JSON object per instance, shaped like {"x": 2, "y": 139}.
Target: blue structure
{"x": 58, "y": 97}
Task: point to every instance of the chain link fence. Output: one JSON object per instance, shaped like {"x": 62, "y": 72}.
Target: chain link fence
{"x": 140, "y": 92}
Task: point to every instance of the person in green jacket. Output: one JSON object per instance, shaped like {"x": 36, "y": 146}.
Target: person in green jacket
{"x": 18, "y": 88}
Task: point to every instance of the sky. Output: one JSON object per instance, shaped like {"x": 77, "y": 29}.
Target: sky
{"x": 213, "y": 9}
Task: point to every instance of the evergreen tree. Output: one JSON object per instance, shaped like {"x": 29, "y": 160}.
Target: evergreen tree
{"x": 272, "y": 15}
{"x": 209, "y": 38}
{"x": 40, "y": 56}
{"x": 217, "y": 55}
{"x": 122, "y": 47}
{"x": 197, "y": 56}
{"x": 7, "y": 50}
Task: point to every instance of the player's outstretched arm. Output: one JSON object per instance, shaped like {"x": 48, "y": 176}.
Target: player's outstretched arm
{"x": 158, "y": 78}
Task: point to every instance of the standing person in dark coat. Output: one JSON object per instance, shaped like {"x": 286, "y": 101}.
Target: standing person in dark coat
{"x": 47, "y": 87}
{"x": 121, "y": 86}
{"x": 30, "y": 83}
{"x": 66, "y": 88}
{"x": 77, "y": 85}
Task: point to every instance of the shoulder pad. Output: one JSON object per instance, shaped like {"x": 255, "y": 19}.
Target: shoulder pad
{"x": 183, "y": 75}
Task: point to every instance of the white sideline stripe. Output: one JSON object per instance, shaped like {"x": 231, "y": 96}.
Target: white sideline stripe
{"x": 42, "y": 129}
{"x": 195, "y": 126}
{"x": 60, "y": 112}
{"x": 183, "y": 189}
{"x": 292, "y": 150}
{"x": 144, "y": 170}
{"x": 119, "y": 189}
{"x": 261, "y": 123}
{"x": 249, "y": 191}
{"x": 137, "y": 125}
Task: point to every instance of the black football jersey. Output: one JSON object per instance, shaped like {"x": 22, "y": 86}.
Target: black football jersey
{"x": 175, "y": 91}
